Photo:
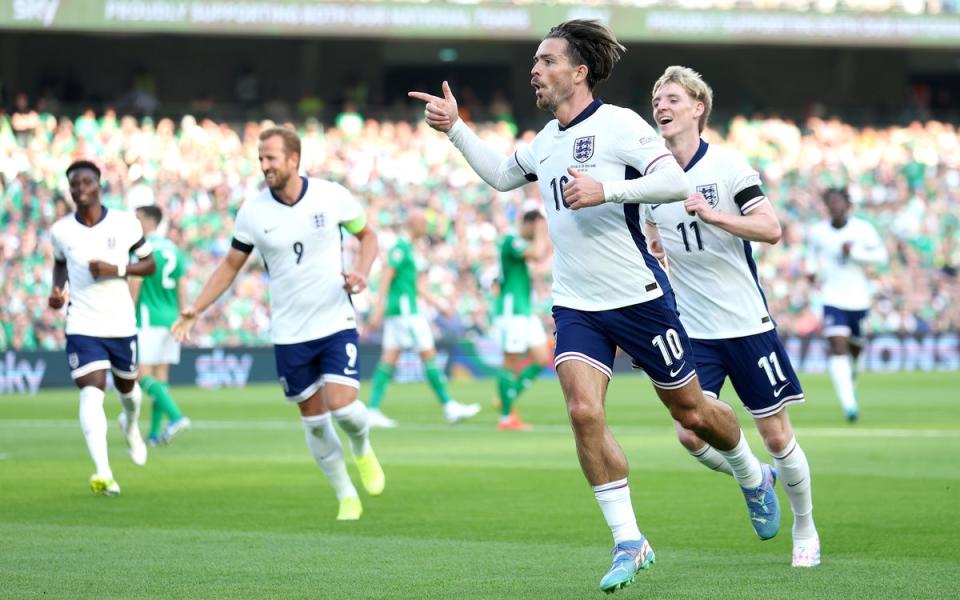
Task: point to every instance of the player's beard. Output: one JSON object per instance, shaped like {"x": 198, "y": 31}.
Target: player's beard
{"x": 279, "y": 180}
{"x": 545, "y": 101}
{"x": 551, "y": 98}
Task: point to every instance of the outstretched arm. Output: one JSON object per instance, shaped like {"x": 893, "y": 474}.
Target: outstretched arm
{"x": 218, "y": 283}
{"x": 666, "y": 183}
{"x": 503, "y": 173}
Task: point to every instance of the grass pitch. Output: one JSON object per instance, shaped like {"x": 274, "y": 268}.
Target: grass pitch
{"x": 236, "y": 508}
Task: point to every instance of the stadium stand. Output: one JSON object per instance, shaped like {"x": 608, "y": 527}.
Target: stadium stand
{"x": 904, "y": 179}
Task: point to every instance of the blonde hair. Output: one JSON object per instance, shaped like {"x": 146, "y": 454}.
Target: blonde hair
{"x": 693, "y": 84}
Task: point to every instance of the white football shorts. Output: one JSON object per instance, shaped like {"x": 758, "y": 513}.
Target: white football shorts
{"x": 519, "y": 333}
{"x": 409, "y": 332}
{"x": 158, "y": 346}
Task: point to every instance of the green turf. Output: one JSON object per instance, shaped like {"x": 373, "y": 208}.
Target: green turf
{"x": 236, "y": 508}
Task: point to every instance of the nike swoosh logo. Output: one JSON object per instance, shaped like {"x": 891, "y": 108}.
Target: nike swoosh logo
{"x": 680, "y": 368}
{"x": 545, "y": 158}
{"x": 269, "y": 230}
{"x": 654, "y": 207}
{"x": 778, "y": 391}
{"x": 349, "y": 371}
{"x": 795, "y": 484}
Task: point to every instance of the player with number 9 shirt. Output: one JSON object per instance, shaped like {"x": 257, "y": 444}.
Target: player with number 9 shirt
{"x": 295, "y": 224}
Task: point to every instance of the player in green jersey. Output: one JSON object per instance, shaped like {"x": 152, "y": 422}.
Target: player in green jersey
{"x": 405, "y": 327}
{"x": 519, "y": 330}
{"x": 159, "y": 298}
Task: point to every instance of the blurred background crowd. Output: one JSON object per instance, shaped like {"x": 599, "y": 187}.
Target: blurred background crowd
{"x": 903, "y": 179}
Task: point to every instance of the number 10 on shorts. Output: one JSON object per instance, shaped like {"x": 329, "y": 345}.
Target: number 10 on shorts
{"x": 669, "y": 346}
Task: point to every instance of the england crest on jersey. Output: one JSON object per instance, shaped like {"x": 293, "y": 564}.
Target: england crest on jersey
{"x": 319, "y": 220}
{"x": 583, "y": 149}
{"x": 711, "y": 193}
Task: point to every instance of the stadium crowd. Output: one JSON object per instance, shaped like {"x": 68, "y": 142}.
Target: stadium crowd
{"x": 905, "y": 180}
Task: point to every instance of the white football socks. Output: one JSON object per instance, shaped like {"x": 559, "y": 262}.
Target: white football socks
{"x": 325, "y": 446}
{"x": 794, "y": 472}
{"x": 352, "y": 418}
{"x": 743, "y": 464}
{"x": 131, "y": 403}
{"x": 841, "y": 372}
{"x": 712, "y": 459}
{"x": 614, "y": 501}
{"x": 93, "y": 423}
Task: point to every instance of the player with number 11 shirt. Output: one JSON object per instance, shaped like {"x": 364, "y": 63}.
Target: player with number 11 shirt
{"x": 296, "y": 225}
{"x": 707, "y": 241}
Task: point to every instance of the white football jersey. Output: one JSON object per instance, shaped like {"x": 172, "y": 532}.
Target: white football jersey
{"x": 301, "y": 249}
{"x": 711, "y": 270}
{"x": 99, "y": 307}
{"x": 843, "y": 280}
{"x": 600, "y": 256}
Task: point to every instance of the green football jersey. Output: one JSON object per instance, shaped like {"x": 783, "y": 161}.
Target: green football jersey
{"x": 516, "y": 288}
{"x": 402, "y": 296}
{"x": 158, "y": 304}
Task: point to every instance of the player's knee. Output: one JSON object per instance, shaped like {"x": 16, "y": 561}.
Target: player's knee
{"x": 583, "y": 411}
{"x": 691, "y": 418}
{"x": 776, "y": 441}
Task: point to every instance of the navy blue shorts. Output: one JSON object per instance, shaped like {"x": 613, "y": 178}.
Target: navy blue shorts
{"x": 650, "y": 333}
{"x": 87, "y": 354}
{"x": 838, "y": 322}
{"x": 304, "y": 368}
{"x": 758, "y": 368}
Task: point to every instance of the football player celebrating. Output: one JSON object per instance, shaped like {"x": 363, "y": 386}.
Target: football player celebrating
{"x": 91, "y": 250}
{"x": 608, "y": 290}
{"x": 707, "y": 243}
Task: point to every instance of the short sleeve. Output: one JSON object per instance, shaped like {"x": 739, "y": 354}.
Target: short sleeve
{"x": 242, "y": 232}
{"x": 745, "y": 185}
{"x": 139, "y": 246}
{"x": 639, "y": 146}
{"x": 350, "y": 207}
{"x": 868, "y": 246}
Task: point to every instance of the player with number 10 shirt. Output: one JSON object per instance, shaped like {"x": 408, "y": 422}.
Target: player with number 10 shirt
{"x": 608, "y": 289}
